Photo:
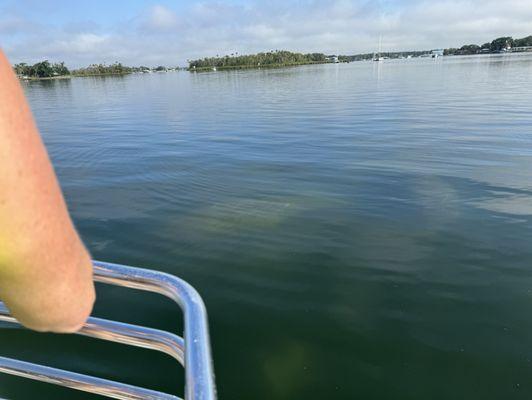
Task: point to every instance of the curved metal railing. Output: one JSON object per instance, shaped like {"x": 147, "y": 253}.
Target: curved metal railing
{"x": 193, "y": 352}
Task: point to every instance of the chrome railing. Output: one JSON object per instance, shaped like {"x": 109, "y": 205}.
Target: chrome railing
{"x": 193, "y": 351}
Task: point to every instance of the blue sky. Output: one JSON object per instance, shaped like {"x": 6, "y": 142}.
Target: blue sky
{"x": 171, "y": 31}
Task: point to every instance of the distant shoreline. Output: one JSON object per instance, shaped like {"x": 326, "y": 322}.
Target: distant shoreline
{"x": 60, "y": 77}
{"x": 240, "y": 67}
{"x": 104, "y": 74}
{"x": 46, "y": 78}
{"x": 271, "y": 59}
{"x": 44, "y": 70}
{"x": 284, "y": 58}
{"x": 274, "y": 66}
{"x": 246, "y": 67}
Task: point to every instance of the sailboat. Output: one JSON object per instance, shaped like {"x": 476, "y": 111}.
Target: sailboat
{"x": 377, "y": 56}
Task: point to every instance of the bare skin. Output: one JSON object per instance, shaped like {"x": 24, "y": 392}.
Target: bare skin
{"x": 45, "y": 270}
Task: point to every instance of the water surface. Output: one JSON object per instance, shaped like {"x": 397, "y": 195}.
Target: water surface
{"x": 357, "y": 231}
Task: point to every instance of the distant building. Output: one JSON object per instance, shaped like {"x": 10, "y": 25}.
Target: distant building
{"x": 521, "y": 49}
{"x": 437, "y": 53}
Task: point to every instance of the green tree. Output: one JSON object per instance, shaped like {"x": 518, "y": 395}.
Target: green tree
{"x": 469, "y": 49}
{"x": 43, "y": 69}
{"x": 60, "y": 69}
{"x": 102, "y": 69}
{"x": 21, "y": 69}
{"x": 271, "y": 58}
{"x": 527, "y": 41}
{"x": 502, "y": 43}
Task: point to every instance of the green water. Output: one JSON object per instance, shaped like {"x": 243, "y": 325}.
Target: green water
{"x": 357, "y": 231}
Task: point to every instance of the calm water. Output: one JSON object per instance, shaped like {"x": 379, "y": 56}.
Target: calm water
{"x": 357, "y": 231}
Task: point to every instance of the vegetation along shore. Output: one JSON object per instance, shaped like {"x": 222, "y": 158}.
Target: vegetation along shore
{"x": 272, "y": 59}
{"x": 47, "y": 70}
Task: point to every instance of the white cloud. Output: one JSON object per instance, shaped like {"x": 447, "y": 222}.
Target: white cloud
{"x": 160, "y": 35}
{"x": 80, "y": 43}
{"x": 12, "y": 25}
{"x": 160, "y": 18}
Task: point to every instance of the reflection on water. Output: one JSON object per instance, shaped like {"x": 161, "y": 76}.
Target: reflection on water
{"x": 357, "y": 230}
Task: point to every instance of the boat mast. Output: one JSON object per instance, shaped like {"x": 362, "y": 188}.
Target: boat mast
{"x": 377, "y": 56}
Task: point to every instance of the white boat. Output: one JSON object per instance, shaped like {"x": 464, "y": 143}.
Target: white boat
{"x": 437, "y": 53}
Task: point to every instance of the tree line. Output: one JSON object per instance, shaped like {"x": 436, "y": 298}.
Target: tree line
{"x": 103, "y": 69}
{"x": 286, "y": 58}
{"x": 272, "y": 58}
{"x": 45, "y": 69}
{"x": 389, "y": 54}
{"x": 496, "y": 46}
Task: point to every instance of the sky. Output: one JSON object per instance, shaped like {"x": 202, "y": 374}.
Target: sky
{"x": 165, "y": 32}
